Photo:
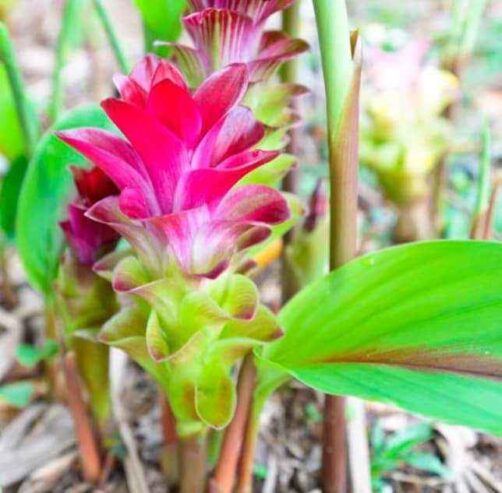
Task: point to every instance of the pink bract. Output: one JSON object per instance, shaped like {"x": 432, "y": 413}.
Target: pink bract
{"x": 231, "y": 31}
{"x": 177, "y": 169}
{"x": 87, "y": 238}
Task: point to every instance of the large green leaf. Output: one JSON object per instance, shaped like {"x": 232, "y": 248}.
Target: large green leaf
{"x": 418, "y": 325}
{"x": 45, "y": 190}
{"x": 161, "y": 18}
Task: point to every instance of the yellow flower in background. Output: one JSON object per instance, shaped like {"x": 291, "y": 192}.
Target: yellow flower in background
{"x": 404, "y": 134}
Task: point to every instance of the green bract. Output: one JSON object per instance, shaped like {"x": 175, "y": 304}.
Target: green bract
{"x": 188, "y": 333}
{"x": 417, "y": 326}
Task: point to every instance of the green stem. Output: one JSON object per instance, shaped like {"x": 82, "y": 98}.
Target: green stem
{"x": 336, "y": 56}
{"x": 289, "y": 75}
{"x": 112, "y": 37}
{"x": 8, "y": 292}
{"x": 291, "y": 25}
{"x": 342, "y": 90}
{"x": 480, "y": 228}
{"x": 70, "y": 13}
{"x": 7, "y": 57}
{"x": 484, "y": 182}
{"x": 92, "y": 360}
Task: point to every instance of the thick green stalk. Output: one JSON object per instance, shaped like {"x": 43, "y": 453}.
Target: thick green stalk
{"x": 289, "y": 74}
{"x": 336, "y": 56}
{"x": 7, "y": 57}
{"x": 70, "y": 12}
{"x": 118, "y": 52}
{"x": 342, "y": 89}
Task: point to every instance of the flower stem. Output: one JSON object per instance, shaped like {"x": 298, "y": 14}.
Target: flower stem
{"x": 8, "y": 58}
{"x": 226, "y": 468}
{"x": 8, "y": 291}
{"x": 118, "y": 52}
{"x": 246, "y": 463}
{"x": 341, "y": 79}
{"x": 89, "y": 450}
{"x": 70, "y": 13}
{"x": 193, "y": 463}
{"x": 289, "y": 74}
{"x": 480, "y": 223}
{"x": 169, "y": 457}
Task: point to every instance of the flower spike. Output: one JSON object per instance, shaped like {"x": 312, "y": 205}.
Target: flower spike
{"x": 177, "y": 201}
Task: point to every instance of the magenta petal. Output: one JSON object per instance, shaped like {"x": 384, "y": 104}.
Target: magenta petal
{"x": 151, "y": 70}
{"x": 148, "y": 246}
{"x": 92, "y": 184}
{"x": 254, "y": 204}
{"x": 130, "y": 90}
{"x": 238, "y": 131}
{"x": 220, "y": 93}
{"x": 87, "y": 238}
{"x": 215, "y": 244}
{"x": 132, "y": 204}
{"x": 179, "y": 230}
{"x": 164, "y": 155}
{"x": 175, "y": 108}
{"x": 249, "y": 159}
{"x": 194, "y": 190}
{"x": 252, "y": 237}
{"x": 275, "y": 47}
{"x": 110, "y": 153}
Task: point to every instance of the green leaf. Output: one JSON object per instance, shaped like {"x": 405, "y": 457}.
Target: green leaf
{"x": 12, "y": 142}
{"x": 429, "y": 463}
{"x": 17, "y": 394}
{"x": 405, "y": 440}
{"x": 46, "y": 186}
{"x": 29, "y": 356}
{"x": 9, "y": 195}
{"x": 260, "y": 471}
{"x": 417, "y": 325}
{"x": 162, "y": 18}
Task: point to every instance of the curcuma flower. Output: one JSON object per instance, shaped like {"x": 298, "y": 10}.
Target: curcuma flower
{"x": 184, "y": 155}
{"x": 88, "y": 239}
{"x": 404, "y": 133}
{"x": 232, "y": 31}
{"x": 88, "y": 301}
{"x": 181, "y": 208}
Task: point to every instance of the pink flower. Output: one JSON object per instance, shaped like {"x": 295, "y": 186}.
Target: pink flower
{"x": 231, "y": 31}
{"x": 87, "y": 238}
{"x": 177, "y": 169}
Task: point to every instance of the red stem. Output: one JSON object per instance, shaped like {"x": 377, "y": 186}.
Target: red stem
{"x": 225, "y": 472}
{"x": 246, "y": 462}
{"x": 168, "y": 422}
{"x": 193, "y": 464}
{"x": 88, "y": 445}
{"x": 169, "y": 457}
{"x": 334, "y": 471}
